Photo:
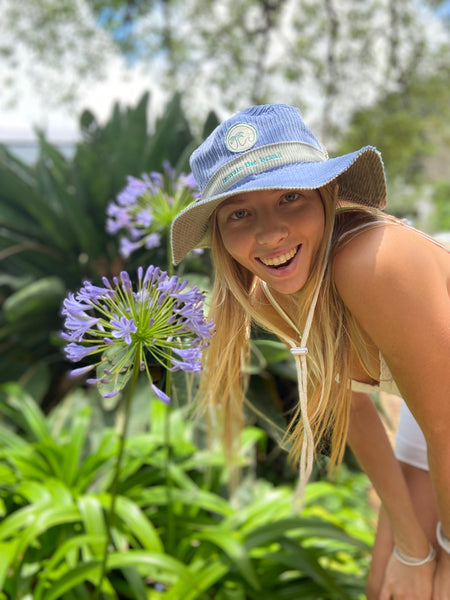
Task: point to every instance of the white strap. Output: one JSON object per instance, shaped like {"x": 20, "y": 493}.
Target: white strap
{"x": 299, "y": 353}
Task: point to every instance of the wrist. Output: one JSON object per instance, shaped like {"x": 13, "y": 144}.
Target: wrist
{"x": 412, "y": 561}
{"x": 443, "y": 540}
{"x": 412, "y": 542}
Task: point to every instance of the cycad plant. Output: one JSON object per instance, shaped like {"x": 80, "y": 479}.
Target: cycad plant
{"x": 52, "y": 225}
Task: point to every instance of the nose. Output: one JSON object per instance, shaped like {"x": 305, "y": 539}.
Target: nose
{"x": 271, "y": 230}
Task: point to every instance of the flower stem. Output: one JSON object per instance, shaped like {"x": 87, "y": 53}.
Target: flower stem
{"x": 170, "y": 538}
{"x": 167, "y": 435}
{"x": 128, "y": 395}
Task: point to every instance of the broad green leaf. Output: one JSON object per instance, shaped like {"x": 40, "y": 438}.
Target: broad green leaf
{"x": 272, "y": 350}
{"x": 72, "y": 451}
{"x": 160, "y": 566}
{"x": 83, "y": 572}
{"x": 43, "y": 520}
{"x": 140, "y": 526}
{"x": 205, "y": 573}
{"x": 26, "y": 411}
{"x": 35, "y": 492}
{"x": 158, "y": 495}
{"x": 137, "y": 584}
{"x": 301, "y": 529}
{"x": 235, "y": 550}
{"x": 305, "y": 560}
{"x": 41, "y": 296}
{"x": 52, "y": 569}
{"x": 92, "y": 516}
{"x": 17, "y": 521}
{"x": 8, "y": 552}
{"x": 7, "y": 475}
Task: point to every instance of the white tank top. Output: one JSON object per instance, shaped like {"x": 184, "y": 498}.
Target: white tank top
{"x": 386, "y": 383}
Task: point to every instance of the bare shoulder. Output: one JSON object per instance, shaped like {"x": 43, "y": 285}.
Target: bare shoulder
{"x": 386, "y": 261}
{"x": 396, "y": 283}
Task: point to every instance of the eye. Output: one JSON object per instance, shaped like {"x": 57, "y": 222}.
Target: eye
{"x": 238, "y": 214}
{"x": 290, "y": 197}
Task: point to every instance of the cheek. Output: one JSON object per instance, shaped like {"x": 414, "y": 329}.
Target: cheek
{"x": 230, "y": 241}
{"x": 314, "y": 230}
{"x": 319, "y": 219}
{"x": 232, "y": 238}
{"x": 313, "y": 223}
{"x": 234, "y": 246}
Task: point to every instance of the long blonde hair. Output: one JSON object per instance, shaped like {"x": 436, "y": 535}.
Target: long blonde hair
{"x": 237, "y": 300}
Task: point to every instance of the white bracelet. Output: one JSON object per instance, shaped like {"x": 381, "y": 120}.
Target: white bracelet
{"x": 443, "y": 541}
{"x": 410, "y": 561}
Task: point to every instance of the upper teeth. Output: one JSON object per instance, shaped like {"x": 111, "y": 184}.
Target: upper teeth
{"x": 279, "y": 260}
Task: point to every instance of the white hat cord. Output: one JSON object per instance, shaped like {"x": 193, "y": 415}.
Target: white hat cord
{"x": 299, "y": 353}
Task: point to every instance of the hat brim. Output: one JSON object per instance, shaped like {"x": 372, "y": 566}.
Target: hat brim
{"x": 360, "y": 176}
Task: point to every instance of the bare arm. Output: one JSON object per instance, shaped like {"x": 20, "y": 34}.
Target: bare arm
{"x": 368, "y": 439}
{"x": 396, "y": 285}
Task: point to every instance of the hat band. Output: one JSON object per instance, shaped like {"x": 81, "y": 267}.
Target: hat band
{"x": 258, "y": 160}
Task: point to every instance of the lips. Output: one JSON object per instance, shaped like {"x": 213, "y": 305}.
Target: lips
{"x": 282, "y": 260}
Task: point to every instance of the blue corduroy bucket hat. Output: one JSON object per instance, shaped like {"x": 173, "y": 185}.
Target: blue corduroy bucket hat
{"x": 269, "y": 147}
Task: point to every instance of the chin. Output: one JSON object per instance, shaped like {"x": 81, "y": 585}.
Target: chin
{"x": 286, "y": 288}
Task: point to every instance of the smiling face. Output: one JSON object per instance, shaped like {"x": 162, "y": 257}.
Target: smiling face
{"x": 275, "y": 234}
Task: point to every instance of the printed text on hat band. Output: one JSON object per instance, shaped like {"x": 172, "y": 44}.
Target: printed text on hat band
{"x": 259, "y": 160}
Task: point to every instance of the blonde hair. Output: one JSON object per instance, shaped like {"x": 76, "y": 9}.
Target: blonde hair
{"x": 237, "y": 300}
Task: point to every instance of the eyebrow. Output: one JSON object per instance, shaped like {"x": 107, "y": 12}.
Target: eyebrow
{"x": 229, "y": 203}
{"x": 231, "y": 200}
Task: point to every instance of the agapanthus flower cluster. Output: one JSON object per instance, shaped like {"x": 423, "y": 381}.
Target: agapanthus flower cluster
{"x": 146, "y": 207}
{"x": 161, "y": 321}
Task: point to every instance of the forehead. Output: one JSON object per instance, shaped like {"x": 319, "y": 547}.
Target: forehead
{"x": 238, "y": 199}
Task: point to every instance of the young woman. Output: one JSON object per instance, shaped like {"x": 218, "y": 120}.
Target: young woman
{"x": 301, "y": 246}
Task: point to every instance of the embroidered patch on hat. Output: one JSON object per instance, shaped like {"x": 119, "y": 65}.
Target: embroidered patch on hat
{"x": 241, "y": 137}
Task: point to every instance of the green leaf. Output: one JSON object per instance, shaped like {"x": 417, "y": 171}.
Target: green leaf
{"x": 52, "y": 170}
{"x": 273, "y": 351}
{"x": 12, "y": 442}
{"x": 25, "y": 412}
{"x": 92, "y": 516}
{"x": 7, "y": 475}
{"x": 204, "y": 575}
{"x": 305, "y": 560}
{"x": 34, "y": 492}
{"x": 72, "y": 451}
{"x": 141, "y": 527}
{"x": 236, "y": 551}
{"x": 201, "y": 499}
{"x": 43, "y": 520}
{"x": 42, "y": 296}
{"x": 52, "y": 569}
{"x": 160, "y": 566}
{"x": 8, "y": 552}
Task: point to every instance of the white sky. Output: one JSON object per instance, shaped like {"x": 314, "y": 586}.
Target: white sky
{"x": 23, "y": 107}
{"x": 120, "y": 84}
{"x": 123, "y": 85}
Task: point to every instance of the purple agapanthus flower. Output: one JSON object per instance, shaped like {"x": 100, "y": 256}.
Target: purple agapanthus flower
{"x": 146, "y": 207}
{"x": 159, "y": 320}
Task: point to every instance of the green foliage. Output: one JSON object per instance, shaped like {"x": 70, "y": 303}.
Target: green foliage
{"x": 410, "y": 128}
{"x": 52, "y": 223}
{"x": 441, "y": 201}
{"x": 176, "y": 534}
{"x": 403, "y": 126}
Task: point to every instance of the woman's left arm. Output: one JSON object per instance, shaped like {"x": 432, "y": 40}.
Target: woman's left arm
{"x": 396, "y": 284}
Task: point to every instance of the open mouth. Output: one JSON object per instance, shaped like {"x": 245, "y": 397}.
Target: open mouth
{"x": 281, "y": 261}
